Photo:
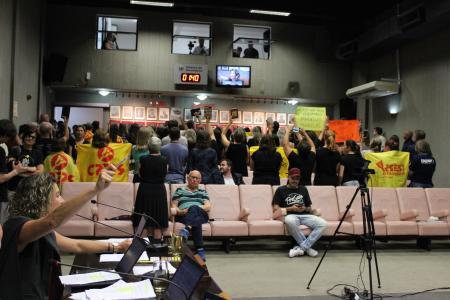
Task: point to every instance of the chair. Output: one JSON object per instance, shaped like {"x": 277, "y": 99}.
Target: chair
{"x": 386, "y": 199}
{"x": 439, "y": 203}
{"x": 344, "y": 195}
{"x": 75, "y": 225}
{"x": 325, "y": 205}
{"x": 206, "y": 228}
{"x": 258, "y": 200}
{"x": 226, "y": 211}
{"x": 413, "y": 206}
{"x": 120, "y": 194}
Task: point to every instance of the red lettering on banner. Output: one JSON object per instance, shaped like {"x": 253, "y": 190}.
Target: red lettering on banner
{"x": 391, "y": 169}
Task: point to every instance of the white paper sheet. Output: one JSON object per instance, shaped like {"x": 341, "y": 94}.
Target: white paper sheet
{"x": 116, "y": 257}
{"x": 123, "y": 291}
{"x": 87, "y": 278}
{"x": 140, "y": 270}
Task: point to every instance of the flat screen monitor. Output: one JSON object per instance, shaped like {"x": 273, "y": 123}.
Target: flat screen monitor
{"x": 233, "y": 76}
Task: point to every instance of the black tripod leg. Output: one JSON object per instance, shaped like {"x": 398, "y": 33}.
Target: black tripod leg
{"x": 333, "y": 237}
{"x": 373, "y": 246}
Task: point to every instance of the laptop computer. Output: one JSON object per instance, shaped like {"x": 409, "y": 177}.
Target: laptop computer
{"x": 131, "y": 256}
{"x": 140, "y": 228}
{"x": 187, "y": 276}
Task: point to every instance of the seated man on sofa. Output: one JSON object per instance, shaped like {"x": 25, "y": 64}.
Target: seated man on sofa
{"x": 192, "y": 206}
{"x": 293, "y": 202}
{"x": 227, "y": 176}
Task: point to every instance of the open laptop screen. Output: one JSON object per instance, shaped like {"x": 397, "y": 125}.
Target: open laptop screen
{"x": 188, "y": 275}
{"x": 131, "y": 256}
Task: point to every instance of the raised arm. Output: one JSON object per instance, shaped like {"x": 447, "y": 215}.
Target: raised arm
{"x": 309, "y": 140}
{"x": 66, "y": 128}
{"x": 209, "y": 129}
{"x": 325, "y": 128}
{"x": 225, "y": 141}
{"x": 35, "y": 229}
{"x": 286, "y": 147}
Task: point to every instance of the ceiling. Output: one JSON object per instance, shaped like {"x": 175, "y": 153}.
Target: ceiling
{"x": 344, "y": 19}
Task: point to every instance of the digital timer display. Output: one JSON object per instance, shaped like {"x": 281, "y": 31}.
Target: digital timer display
{"x": 190, "y": 77}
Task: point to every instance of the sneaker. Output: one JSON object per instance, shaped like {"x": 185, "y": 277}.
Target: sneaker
{"x": 184, "y": 233}
{"x": 311, "y": 252}
{"x": 201, "y": 253}
{"x": 296, "y": 251}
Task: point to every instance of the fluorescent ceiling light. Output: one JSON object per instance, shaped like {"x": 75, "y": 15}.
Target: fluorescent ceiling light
{"x": 104, "y": 93}
{"x": 270, "y": 12}
{"x": 152, "y": 3}
{"x": 196, "y": 103}
{"x": 202, "y": 97}
{"x": 293, "y": 102}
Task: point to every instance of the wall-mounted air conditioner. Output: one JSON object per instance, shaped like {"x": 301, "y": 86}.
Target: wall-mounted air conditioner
{"x": 374, "y": 89}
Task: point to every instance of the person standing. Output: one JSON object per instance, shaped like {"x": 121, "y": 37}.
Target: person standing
{"x": 422, "y": 166}
{"x": 177, "y": 156}
{"x": 293, "y": 202}
{"x": 266, "y": 162}
{"x": 151, "y": 198}
{"x": 351, "y": 164}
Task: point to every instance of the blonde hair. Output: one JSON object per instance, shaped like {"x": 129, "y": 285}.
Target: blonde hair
{"x": 330, "y": 140}
{"x": 143, "y": 137}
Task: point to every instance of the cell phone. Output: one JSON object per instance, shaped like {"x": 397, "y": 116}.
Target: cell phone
{"x": 65, "y": 112}
{"x": 295, "y": 129}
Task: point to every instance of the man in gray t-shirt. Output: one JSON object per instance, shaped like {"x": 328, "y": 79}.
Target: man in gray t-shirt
{"x": 166, "y": 140}
{"x": 177, "y": 156}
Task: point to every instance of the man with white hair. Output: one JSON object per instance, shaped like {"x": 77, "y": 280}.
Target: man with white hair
{"x": 192, "y": 205}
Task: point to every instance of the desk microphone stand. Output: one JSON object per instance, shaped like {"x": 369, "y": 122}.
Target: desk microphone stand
{"x": 368, "y": 236}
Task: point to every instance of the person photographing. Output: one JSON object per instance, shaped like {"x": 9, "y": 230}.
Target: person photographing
{"x": 30, "y": 241}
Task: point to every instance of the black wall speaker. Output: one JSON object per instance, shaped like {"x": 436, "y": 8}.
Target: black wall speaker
{"x": 347, "y": 109}
{"x": 54, "y": 68}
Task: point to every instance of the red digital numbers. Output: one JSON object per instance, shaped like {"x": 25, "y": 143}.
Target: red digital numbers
{"x": 189, "y": 77}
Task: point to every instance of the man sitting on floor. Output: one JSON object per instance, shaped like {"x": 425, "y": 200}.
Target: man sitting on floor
{"x": 293, "y": 202}
{"x": 192, "y": 206}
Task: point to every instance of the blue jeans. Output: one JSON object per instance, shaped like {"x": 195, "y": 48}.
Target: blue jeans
{"x": 174, "y": 181}
{"x": 420, "y": 185}
{"x": 195, "y": 217}
{"x": 316, "y": 224}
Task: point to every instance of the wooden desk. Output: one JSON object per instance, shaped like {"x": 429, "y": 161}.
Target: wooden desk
{"x": 206, "y": 284}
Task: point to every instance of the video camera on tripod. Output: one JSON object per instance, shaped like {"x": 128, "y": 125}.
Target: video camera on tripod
{"x": 365, "y": 172}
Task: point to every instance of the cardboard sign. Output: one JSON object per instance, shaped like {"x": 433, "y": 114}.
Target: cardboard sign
{"x": 310, "y": 118}
{"x": 345, "y": 130}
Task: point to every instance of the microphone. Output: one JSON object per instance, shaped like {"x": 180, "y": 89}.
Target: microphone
{"x": 57, "y": 263}
{"x": 112, "y": 227}
{"x": 159, "y": 248}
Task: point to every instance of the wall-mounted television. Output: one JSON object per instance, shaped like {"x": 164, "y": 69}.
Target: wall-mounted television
{"x": 233, "y": 76}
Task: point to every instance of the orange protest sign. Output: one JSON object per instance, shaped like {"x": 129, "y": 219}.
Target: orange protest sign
{"x": 345, "y": 130}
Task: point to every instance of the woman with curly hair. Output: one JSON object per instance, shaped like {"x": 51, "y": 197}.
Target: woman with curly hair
{"x": 30, "y": 240}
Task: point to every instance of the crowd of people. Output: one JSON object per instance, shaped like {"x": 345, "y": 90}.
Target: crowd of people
{"x": 175, "y": 153}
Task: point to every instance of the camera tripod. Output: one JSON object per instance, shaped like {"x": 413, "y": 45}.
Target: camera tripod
{"x": 367, "y": 238}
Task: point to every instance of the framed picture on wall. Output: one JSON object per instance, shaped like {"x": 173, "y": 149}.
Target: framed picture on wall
{"x": 224, "y": 116}
{"x": 114, "y": 112}
{"x": 258, "y": 117}
{"x": 187, "y": 114}
{"x": 214, "y": 115}
{"x": 291, "y": 119}
{"x": 152, "y": 113}
{"x": 163, "y": 114}
{"x": 139, "y": 113}
{"x": 247, "y": 117}
{"x": 238, "y": 120}
{"x": 176, "y": 113}
{"x": 127, "y": 112}
{"x": 281, "y": 118}
{"x": 270, "y": 115}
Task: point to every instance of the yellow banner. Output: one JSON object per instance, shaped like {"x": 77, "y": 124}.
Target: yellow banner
{"x": 391, "y": 168}
{"x": 310, "y": 118}
{"x": 283, "y": 172}
{"x": 91, "y": 161}
{"x": 61, "y": 167}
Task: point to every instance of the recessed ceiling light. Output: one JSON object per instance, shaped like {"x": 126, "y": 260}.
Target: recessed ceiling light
{"x": 196, "y": 103}
{"x": 202, "y": 97}
{"x": 270, "y": 12}
{"x": 104, "y": 93}
{"x": 152, "y": 3}
{"x": 293, "y": 102}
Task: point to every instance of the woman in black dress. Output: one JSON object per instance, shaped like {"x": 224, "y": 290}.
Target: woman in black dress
{"x": 327, "y": 162}
{"x": 266, "y": 162}
{"x": 237, "y": 151}
{"x": 151, "y": 198}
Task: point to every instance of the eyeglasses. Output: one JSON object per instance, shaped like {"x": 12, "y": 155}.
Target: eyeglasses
{"x": 32, "y": 137}
{"x": 194, "y": 177}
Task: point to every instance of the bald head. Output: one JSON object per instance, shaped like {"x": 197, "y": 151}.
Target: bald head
{"x": 45, "y": 129}
{"x": 194, "y": 179}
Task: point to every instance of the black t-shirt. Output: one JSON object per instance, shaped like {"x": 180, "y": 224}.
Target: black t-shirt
{"x": 423, "y": 167}
{"x": 28, "y": 158}
{"x": 266, "y": 167}
{"x": 237, "y": 153}
{"x": 306, "y": 165}
{"x": 326, "y": 163}
{"x": 3, "y": 170}
{"x": 44, "y": 145}
{"x": 286, "y": 197}
{"x": 352, "y": 166}
{"x": 73, "y": 144}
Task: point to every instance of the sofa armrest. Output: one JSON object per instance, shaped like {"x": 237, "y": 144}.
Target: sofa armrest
{"x": 409, "y": 215}
{"x": 243, "y": 215}
{"x": 349, "y": 216}
{"x": 379, "y": 214}
{"x": 94, "y": 212}
{"x": 279, "y": 214}
{"x": 173, "y": 211}
{"x": 441, "y": 214}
